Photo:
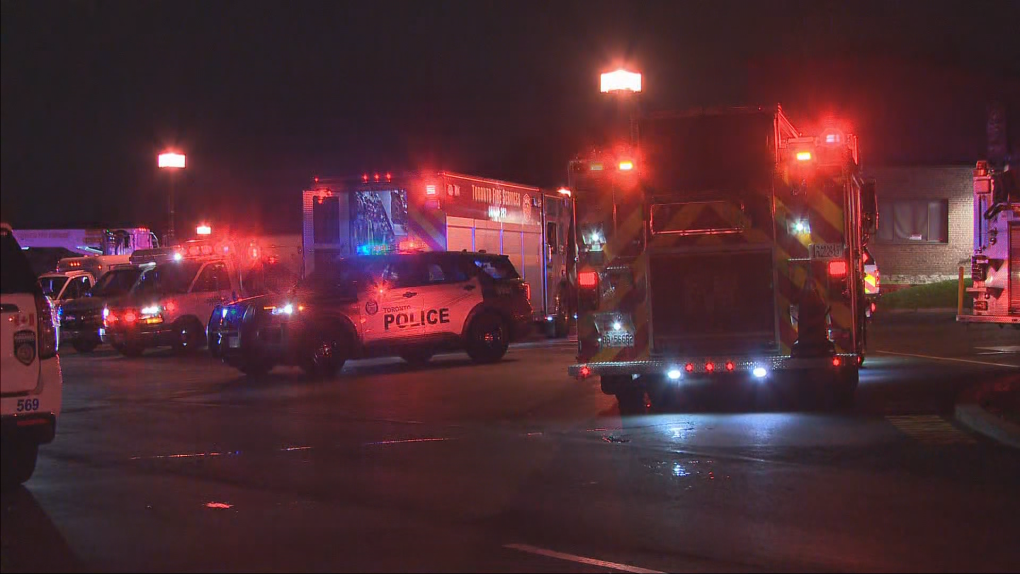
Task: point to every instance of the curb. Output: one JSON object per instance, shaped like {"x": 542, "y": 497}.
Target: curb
{"x": 972, "y": 415}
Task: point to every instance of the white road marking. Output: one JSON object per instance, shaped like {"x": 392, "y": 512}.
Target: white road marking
{"x": 936, "y": 358}
{"x": 406, "y": 441}
{"x": 580, "y": 559}
{"x": 1003, "y": 349}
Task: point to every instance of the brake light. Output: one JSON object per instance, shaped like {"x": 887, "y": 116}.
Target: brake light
{"x": 47, "y": 330}
{"x": 527, "y": 291}
{"x": 836, "y": 361}
{"x": 588, "y": 279}
{"x": 130, "y": 317}
{"x": 837, "y": 268}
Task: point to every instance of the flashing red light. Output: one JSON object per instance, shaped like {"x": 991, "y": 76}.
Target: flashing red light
{"x": 709, "y": 366}
{"x": 730, "y": 366}
{"x": 389, "y": 176}
{"x": 170, "y": 306}
{"x": 430, "y": 190}
{"x": 803, "y": 156}
{"x": 377, "y": 177}
{"x": 585, "y": 372}
{"x": 364, "y": 177}
{"x": 874, "y": 307}
{"x": 130, "y": 317}
{"x": 589, "y": 279}
{"x": 837, "y": 268}
{"x": 689, "y": 367}
{"x": 316, "y": 180}
{"x": 836, "y": 361}
{"x": 626, "y": 165}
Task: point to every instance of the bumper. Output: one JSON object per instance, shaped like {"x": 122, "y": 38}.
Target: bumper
{"x": 1004, "y": 319}
{"x": 143, "y": 336}
{"x": 663, "y": 366}
{"x": 37, "y": 428}
{"x": 69, "y": 334}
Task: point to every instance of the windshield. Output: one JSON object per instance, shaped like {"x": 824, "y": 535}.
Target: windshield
{"x": 52, "y": 285}
{"x": 116, "y": 283}
{"x": 340, "y": 278}
{"x": 168, "y": 278}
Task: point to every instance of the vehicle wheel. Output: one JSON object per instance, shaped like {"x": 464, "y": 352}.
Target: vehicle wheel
{"x": 190, "y": 336}
{"x": 416, "y": 358}
{"x": 17, "y": 463}
{"x": 631, "y": 400}
{"x": 85, "y": 345}
{"x": 131, "y": 350}
{"x": 487, "y": 339}
{"x": 325, "y": 357}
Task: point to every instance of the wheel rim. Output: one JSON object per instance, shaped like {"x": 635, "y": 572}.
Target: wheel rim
{"x": 492, "y": 338}
{"x": 322, "y": 355}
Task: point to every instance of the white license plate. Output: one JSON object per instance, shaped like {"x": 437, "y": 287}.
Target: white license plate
{"x": 233, "y": 342}
{"x": 826, "y": 250}
{"x": 618, "y": 339}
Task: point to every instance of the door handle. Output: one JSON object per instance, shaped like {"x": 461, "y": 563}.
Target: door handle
{"x": 409, "y": 294}
{"x": 469, "y": 287}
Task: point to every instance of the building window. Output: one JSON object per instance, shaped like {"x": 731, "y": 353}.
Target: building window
{"x": 913, "y": 221}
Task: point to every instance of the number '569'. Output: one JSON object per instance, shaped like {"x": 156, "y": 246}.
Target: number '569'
{"x": 28, "y": 405}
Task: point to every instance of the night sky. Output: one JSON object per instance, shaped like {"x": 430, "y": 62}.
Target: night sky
{"x": 263, "y": 96}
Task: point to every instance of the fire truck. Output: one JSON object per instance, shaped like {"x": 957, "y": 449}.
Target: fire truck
{"x": 721, "y": 244}
{"x": 444, "y": 211}
{"x": 995, "y": 264}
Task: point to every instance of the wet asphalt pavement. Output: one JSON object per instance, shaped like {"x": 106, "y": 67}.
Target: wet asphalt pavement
{"x": 164, "y": 463}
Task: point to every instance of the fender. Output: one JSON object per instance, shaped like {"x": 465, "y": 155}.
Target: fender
{"x": 483, "y": 307}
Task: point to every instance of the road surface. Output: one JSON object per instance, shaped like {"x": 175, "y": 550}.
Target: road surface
{"x": 165, "y": 463}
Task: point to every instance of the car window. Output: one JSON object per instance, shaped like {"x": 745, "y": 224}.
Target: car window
{"x": 221, "y": 277}
{"x": 51, "y": 286}
{"x": 116, "y": 282}
{"x": 404, "y": 272}
{"x": 16, "y": 274}
{"x": 206, "y": 280}
{"x": 444, "y": 270}
{"x": 496, "y": 267}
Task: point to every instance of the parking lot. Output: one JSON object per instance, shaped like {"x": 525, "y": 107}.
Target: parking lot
{"x": 175, "y": 463}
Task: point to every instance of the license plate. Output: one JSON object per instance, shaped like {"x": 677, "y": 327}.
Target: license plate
{"x": 826, "y": 250}
{"x": 618, "y": 339}
{"x": 233, "y": 342}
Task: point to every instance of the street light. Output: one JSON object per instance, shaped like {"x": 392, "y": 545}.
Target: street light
{"x": 563, "y": 191}
{"x": 621, "y": 81}
{"x": 172, "y": 161}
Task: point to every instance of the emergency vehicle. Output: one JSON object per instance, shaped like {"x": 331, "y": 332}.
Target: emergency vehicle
{"x": 121, "y": 241}
{"x": 411, "y": 305}
{"x": 722, "y": 244}
{"x": 995, "y": 264}
{"x": 444, "y": 211}
{"x": 81, "y": 319}
{"x": 176, "y": 293}
{"x": 74, "y": 276}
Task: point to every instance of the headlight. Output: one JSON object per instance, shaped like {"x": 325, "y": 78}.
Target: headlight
{"x": 106, "y": 312}
{"x": 150, "y": 310}
{"x": 287, "y": 309}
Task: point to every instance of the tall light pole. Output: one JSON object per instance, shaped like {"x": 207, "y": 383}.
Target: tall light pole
{"x": 172, "y": 162}
{"x": 625, "y": 86}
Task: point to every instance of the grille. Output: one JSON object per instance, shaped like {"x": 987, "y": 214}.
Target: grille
{"x": 81, "y": 319}
{"x": 713, "y": 303}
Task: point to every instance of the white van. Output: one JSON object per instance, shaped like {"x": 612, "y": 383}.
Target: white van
{"x": 30, "y": 380}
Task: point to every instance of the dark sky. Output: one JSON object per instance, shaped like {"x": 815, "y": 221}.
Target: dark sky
{"x": 263, "y": 96}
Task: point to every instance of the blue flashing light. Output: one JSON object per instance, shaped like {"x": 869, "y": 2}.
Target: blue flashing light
{"x": 373, "y": 249}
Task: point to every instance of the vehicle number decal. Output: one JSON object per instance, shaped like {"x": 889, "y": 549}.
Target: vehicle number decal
{"x": 826, "y": 250}
{"x": 28, "y": 405}
{"x": 405, "y": 320}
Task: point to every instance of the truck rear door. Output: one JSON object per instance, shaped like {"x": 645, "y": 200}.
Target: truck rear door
{"x": 19, "y": 346}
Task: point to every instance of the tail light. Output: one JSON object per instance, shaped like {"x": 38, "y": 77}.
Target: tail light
{"x": 47, "y": 330}
{"x": 527, "y": 291}
{"x": 837, "y": 268}
{"x": 588, "y": 279}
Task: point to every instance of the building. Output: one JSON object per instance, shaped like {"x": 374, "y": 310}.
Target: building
{"x": 926, "y": 217}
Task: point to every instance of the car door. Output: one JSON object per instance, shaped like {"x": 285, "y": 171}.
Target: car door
{"x": 211, "y": 288}
{"x": 449, "y": 294}
{"x": 393, "y": 303}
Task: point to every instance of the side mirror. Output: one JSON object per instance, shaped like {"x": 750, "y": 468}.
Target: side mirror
{"x": 869, "y": 205}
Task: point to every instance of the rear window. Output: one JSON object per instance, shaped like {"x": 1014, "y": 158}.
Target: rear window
{"x": 496, "y": 267}
{"x": 15, "y": 273}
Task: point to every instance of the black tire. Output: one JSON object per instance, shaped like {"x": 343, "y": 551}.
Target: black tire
{"x": 130, "y": 350}
{"x": 324, "y": 357}
{"x": 487, "y": 338}
{"x": 631, "y": 401}
{"x": 85, "y": 345}
{"x": 417, "y": 357}
{"x": 190, "y": 337}
{"x": 17, "y": 463}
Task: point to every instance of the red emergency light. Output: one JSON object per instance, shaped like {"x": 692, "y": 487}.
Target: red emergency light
{"x": 837, "y": 268}
{"x": 689, "y": 367}
{"x": 626, "y": 165}
{"x": 364, "y": 177}
{"x": 377, "y": 177}
{"x": 803, "y": 156}
{"x": 730, "y": 366}
{"x": 588, "y": 279}
{"x": 389, "y": 176}
{"x": 709, "y": 367}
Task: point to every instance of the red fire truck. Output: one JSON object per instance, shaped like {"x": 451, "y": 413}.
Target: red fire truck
{"x": 995, "y": 265}
{"x": 443, "y": 211}
{"x": 721, "y": 244}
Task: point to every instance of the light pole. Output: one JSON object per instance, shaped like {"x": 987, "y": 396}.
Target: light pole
{"x": 625, "y": 86}
{"x": 171, "y": 161}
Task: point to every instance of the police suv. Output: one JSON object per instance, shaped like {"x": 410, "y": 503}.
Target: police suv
{"x": 410, "y": 305}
